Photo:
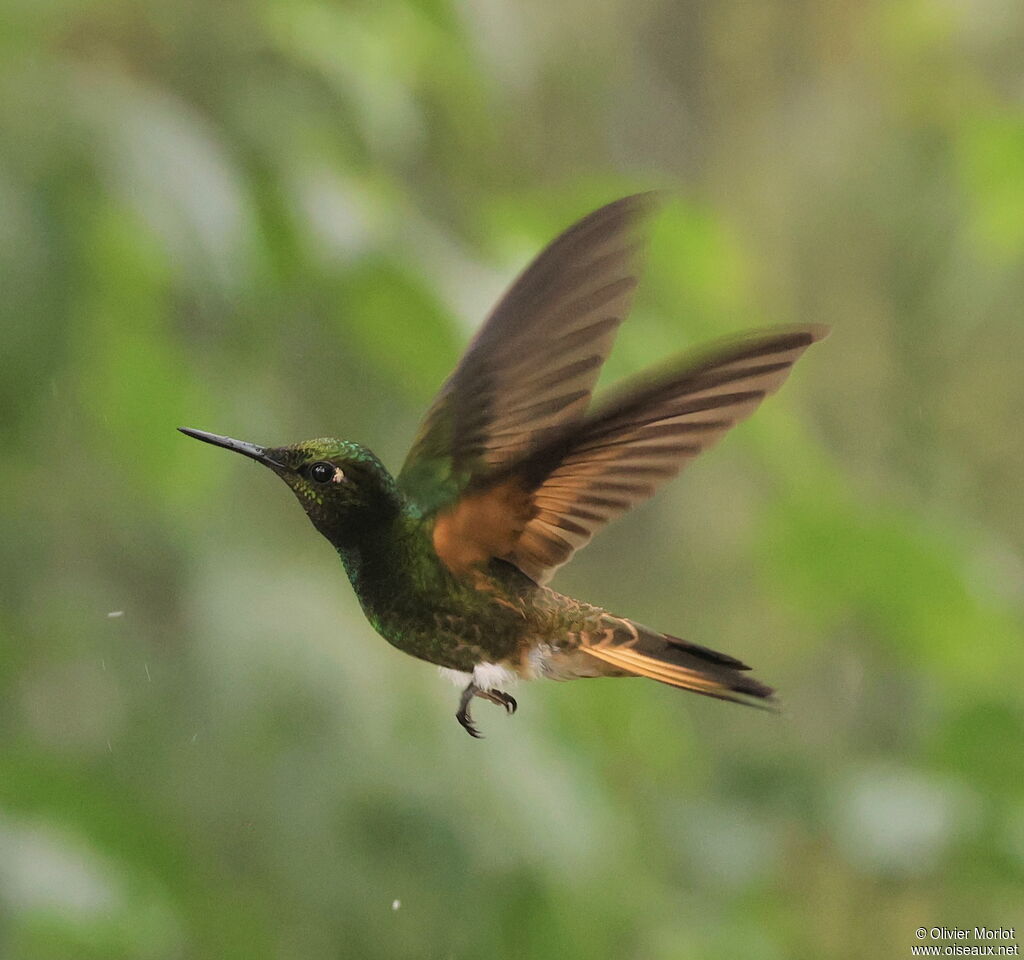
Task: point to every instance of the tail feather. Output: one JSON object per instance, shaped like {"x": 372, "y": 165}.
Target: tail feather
{"x": 631, "y": 648}
{"x": 706, "y": 652}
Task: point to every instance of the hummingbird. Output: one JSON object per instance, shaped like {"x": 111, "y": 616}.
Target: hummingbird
{"x": 514, "y": 469}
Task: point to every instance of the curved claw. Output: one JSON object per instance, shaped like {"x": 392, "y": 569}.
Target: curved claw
{"x": 499, "y": 697}
{"x": 507, "y": 701}
{"x": 467, "y": 725}
{"x": 463, "y": 713}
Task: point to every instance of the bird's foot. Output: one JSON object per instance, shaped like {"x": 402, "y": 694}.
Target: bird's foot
{"x": 499, "y": 697}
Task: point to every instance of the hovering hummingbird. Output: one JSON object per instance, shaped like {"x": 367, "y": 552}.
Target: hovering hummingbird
{"x": 512, "y": 471}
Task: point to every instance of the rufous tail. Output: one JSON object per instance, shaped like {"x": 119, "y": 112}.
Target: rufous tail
{"x": 629, "y": 648}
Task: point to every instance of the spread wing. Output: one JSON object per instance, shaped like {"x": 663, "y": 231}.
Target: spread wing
{"x": 541, "y": 509}
{"x": 529, "y": 372}
{"x": 622, "y": 454}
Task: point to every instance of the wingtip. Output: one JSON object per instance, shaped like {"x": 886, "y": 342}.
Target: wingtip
{"x": 634, "y": 206}
{"x": 802, "y": 333}
{"x": 648, "y": 203}
{"x": 649, "y": 198}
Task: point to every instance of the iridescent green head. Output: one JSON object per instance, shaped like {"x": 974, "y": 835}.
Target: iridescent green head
{"x": 341, "y": 485}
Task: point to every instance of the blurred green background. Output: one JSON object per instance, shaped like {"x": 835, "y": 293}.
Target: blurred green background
{"x": 280, "y": 220}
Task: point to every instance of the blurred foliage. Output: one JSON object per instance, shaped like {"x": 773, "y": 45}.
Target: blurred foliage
{"x": 280, "y": 220}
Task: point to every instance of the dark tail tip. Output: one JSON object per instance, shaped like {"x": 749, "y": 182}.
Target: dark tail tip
{"x": 706, "y": 653}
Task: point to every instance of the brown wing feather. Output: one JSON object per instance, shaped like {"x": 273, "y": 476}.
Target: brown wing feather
{"x": 620, "y": 456}
{"x": 482, "y": 525}
{"x": 530, "y": 369}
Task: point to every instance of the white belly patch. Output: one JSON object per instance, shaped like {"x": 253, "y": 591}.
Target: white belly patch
{"x": 487, "y": 676}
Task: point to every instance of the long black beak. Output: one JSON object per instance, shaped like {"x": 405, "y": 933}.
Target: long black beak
{"x": 250, "y": 450}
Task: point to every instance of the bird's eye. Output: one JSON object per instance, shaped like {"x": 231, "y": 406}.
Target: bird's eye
{"x": 322, "y": 472}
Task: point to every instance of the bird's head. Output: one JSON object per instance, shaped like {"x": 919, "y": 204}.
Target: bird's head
{"x": 341, "y": 485}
